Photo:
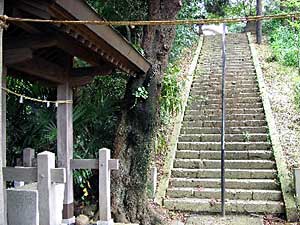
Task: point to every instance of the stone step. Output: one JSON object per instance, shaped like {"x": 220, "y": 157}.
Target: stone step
{"x": 218, "y": 79}
{"x": 230, "y": 173}
{"x": 246, "y": 137}
{"x": 228, "y": 91}
{"x": 233, "y": 82}
{"x": 228, "y": 123}
{"x": 219, "y": 112}
{"x": 261, "y": 184}
{"x": 232, "y": 194}
{"x": 228, "y": 106}
{"x": 231, "y": 130}
{"x": 229, "y": 164}
{"x": 228, "y": 86}
{"x": 229, "y": 101}
{"x": 238, "y": 117}
{"x": 230, "y": 146}
{"x": 238, "y": 206}
{"x": 216, "y": 155}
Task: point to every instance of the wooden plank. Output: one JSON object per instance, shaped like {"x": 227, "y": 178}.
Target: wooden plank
{"x": 81, "y": 11}
{"x": 29, "y": 27}
{"x": 80, "y": 81}
{"x": 58, "y": 175}
{"x": 34, "y": 42}
{"x": 15, "y": 56}
{"x": 75, "y": 48}
{"x": 84, "y": 164}
{"x": 113, "y": 164}
{"x": 92, "y": 71}
{"x": 65, "y": 144}
{"x": 27, "y": 174}
{"x": 28, "y": 156}
{"x": 42, "y": 69}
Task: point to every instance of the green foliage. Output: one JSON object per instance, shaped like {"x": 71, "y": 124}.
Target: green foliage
{"x": 171, "y": 93}
{"x": 284, "y": 42}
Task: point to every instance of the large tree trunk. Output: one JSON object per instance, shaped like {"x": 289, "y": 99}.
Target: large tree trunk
{"x": 136, "y": 134}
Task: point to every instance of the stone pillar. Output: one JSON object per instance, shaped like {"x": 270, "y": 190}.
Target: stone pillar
{"x": 65, "y": 147}
{"x": 105, "y": 166}
{"x": 3, "y": 214}
{"x": 46, "y": 162}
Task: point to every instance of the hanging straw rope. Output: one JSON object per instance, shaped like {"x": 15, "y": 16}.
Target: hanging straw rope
{"x": 35, "y": 99}
{"x": 6, "y": 19}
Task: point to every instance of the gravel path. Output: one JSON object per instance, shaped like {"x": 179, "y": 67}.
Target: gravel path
{"x": 280, "y": 81}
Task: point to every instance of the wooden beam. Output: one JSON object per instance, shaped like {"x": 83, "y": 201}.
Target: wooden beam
{"x": 3, "y": 212}
{"x": 80, "y": 10}
{"x": 29, "y": 27}
{"x": 92, "y": 71}
{"x": 75, "y": 48}
{"x": 15, "y": 56}
{"x": 259, "y": 22}
{"x": 35, "y": 42}
{"x": 29, "y": 174}
{"x": 80, "y": 81}
{"x": 84, "y": 164}
{"x": 42, "y": 69}
{"x": 65, "y": 146}
{"x": 36, "y": 8}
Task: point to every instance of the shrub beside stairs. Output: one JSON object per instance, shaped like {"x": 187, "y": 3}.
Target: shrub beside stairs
{"x": 252, "y": 185}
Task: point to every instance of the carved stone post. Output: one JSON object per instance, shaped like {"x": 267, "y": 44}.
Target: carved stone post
{"x": 105, "y": 166}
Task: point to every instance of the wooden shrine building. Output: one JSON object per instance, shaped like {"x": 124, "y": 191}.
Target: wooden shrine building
{"x": 44, "y": 52}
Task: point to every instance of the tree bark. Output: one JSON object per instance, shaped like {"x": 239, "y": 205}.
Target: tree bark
{"x": 136, "y": 134}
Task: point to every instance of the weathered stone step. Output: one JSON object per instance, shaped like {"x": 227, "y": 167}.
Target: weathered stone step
{"x": 216, "y": 146}
{"x": 216, "y": 155}
{"x": 219, "y": 112}
{"x": 228, "y": 91}
{"x": 210, "y": 78}
{"x": 238, "y": 117}
{"x": 227, "y": 86}
{"x": 229, "y": 101}
{"x": 200, "y": 92}
{"x": 262, "y": 184}
{"x": 228, "y": 106}
{"x": 228, "y": 123}
{"x": 232, "y": 194}
{"x": 238, "y": 206}
{"x": 229, "y": 164}
{"x": 240, "y": 83}
{"x": 228, "y": 137}
{"x": 230, "y": 173}
{"x": 231, "y": 130}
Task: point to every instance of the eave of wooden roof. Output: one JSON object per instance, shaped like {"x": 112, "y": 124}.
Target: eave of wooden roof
{"x": 80, "y": 10}
{"x": 31, "y": 47}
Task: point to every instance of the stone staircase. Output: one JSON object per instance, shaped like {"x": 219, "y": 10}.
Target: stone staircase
{"x": 251, "y": 178}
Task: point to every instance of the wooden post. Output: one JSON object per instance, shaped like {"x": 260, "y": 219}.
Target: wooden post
{"x": 65, "y": 147}
{"x": 46, "y": 162}
{"x": 3, "y": 213}
{"x": 28, "y": 156}
{"x": 105, "y": 166}
{"x": 259, "y": 22}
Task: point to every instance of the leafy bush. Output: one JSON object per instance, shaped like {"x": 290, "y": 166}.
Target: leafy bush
{"x": 171, "y": 93}
{"x": 285, "y": 47}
